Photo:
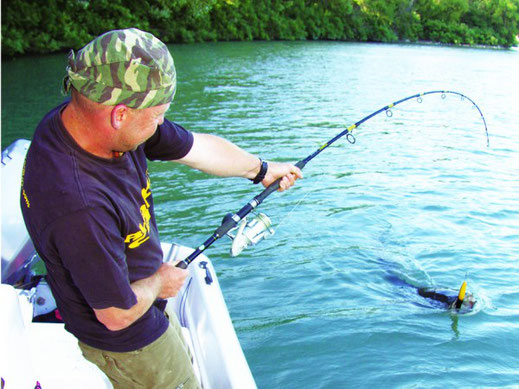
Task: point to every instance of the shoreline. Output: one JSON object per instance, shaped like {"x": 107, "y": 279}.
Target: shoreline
{"x": 397, "y": 42}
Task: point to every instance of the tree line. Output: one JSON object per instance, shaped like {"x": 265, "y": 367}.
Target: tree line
{"x": 44, "y": 26}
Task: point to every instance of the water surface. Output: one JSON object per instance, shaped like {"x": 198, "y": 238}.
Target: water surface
{"x": 419, "y": 190}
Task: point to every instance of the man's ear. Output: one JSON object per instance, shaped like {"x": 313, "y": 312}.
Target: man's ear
{"x": 118, "y": 115}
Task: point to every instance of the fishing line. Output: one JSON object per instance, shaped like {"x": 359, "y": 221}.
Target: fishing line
{"x": 260, "y": 226}
{"x": 308, "y": 193}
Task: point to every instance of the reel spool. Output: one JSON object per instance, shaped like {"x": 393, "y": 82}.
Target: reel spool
{"x": 250, "y": 232}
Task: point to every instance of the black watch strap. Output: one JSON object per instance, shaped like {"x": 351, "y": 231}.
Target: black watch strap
{"x": 262, "y": 173}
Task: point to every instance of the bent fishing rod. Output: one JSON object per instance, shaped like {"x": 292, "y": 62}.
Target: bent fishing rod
{"x": 260, "y": 227}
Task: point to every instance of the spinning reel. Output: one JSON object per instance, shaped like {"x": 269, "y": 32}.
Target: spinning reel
{"x": 249, "y": 232}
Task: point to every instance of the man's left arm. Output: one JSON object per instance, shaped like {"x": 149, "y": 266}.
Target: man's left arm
{"x": 217, "y": 156}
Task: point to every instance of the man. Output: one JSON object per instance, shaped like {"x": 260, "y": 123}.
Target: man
{"x": 87, "y": 203}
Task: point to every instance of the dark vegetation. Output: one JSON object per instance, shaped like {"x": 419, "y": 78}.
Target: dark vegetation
{"x": 44, "y": 26}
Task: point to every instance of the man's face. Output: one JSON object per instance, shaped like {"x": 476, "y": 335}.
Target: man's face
{"x": 140, "y": 125}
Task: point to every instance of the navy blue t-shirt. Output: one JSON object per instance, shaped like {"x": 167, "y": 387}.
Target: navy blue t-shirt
{"x": 92, "y": 222}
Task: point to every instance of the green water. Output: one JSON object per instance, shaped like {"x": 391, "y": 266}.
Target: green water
{"x": 419, "y": 193}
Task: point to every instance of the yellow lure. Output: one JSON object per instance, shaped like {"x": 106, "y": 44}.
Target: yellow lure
{"x": 461, "y": 295}
{"x": 463, "y": 290}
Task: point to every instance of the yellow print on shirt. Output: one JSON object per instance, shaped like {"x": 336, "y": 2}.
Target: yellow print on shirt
{"x": 27, "y": 202}
{"x": 141, "y": 236}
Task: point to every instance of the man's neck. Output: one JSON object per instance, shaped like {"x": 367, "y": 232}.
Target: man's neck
{"x": 84, "y": 132}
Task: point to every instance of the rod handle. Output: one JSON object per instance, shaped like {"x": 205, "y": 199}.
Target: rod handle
{"x": 275, "y": 185}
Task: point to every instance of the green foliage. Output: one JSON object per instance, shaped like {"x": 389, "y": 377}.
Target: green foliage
{"x": 486, "y": 22}
{"x": 42, "y": 26}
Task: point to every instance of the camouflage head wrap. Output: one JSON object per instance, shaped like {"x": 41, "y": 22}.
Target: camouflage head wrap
{"x": 129, "y": 67}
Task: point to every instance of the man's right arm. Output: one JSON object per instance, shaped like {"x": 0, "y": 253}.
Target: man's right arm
{"x": 165, "y": 283}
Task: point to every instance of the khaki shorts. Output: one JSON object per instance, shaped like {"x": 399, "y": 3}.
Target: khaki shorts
{"x": 163, "y": 364}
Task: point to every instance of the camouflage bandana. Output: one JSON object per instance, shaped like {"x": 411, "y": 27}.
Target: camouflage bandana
{"x": 129, "y": 67}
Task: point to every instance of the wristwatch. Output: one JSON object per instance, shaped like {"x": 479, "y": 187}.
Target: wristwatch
{"x": 262, "y": 173}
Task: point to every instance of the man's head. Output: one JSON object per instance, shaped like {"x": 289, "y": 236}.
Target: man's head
{"x": 129, "y": 67}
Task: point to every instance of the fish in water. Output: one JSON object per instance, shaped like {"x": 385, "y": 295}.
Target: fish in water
{"x": 462, "y": 301}
{"x": 457, "y": 300}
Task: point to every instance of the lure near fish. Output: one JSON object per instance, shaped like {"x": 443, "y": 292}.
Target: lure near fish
{"x": 250, "y": 233}
{"x": 461, "y": 295}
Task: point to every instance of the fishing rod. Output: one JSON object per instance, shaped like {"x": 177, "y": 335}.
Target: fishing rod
{"x": 250, "y": 233}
